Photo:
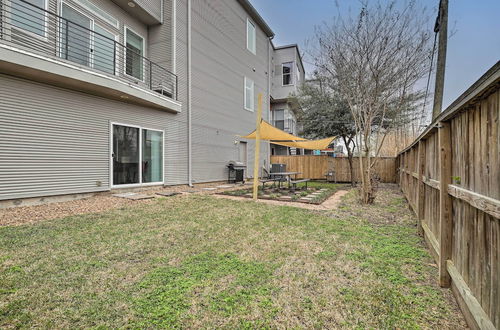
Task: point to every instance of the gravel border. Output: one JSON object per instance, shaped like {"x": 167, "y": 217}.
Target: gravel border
{"x": 99, "y": 202}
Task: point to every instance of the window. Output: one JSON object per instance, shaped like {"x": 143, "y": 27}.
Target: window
{"x": 137, "y": 155}
{"x": 75, "y": 36}
{"x": 86, "y": 43}
{"x": 287, "y": 73}
{"x": 279, "y": 119}
{"x": 135, "y": 52}
{"x": 249, "y": 94}
{"x": 250, "y": 36}
{"x": 98, "y": 12}
{"x": 30, "y": 16}
{"x": 104, "y": 50}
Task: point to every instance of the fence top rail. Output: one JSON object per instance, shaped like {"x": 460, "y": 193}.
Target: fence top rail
{"x": 489, "y": 80}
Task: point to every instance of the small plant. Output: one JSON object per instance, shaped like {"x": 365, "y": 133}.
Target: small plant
{"x": 304, "y": 193}
{"x": 457, "y": 179}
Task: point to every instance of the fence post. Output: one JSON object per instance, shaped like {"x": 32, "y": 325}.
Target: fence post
{"x": 420, "y": 186}
{"x": 445, "y": 220}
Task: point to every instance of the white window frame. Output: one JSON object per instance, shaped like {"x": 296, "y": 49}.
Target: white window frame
{"x": 59, "y": 30}
{"x": 254, "y": 41}
{"x": 292, "y": 80}
{"x": 117, "y": 40}
{"x": 252, "y": 106}
{"x": 140, "y": 184}
{"x": 125, "y": 28}
{"x": 31, "y": 34}
{"x": 115, "y": 23}
{"x": 92, "y": 37}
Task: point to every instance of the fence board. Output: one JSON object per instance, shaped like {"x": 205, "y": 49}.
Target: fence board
{"x": 470, "y": 179}
{"x": 315, "y": 167}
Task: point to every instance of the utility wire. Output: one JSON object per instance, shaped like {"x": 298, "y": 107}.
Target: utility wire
{"x": 436, "y": 30}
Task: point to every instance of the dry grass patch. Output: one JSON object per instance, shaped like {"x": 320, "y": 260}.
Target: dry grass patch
{"x": 203, "y": 262}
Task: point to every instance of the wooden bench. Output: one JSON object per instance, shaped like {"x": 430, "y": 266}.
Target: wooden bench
{"x": 294, "y": 183}
{"x": 264, "y": 181}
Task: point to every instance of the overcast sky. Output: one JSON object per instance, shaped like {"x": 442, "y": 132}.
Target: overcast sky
{"x": 472, "y": 50}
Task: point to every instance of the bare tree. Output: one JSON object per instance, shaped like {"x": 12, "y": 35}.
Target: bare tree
{"x": 376, "y": 59}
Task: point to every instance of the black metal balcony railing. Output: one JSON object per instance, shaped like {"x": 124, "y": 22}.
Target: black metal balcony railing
{"x": 32, "y": 28}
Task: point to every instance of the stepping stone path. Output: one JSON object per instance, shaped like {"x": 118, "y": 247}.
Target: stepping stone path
{"x": 209, "y": 189}
{"x": 133, "y": 196}
{"x": 285, "y": 198}
{"x": 306, "y": 199}
{"x": 168, "y": 193}
{"x": 224, "y": 186}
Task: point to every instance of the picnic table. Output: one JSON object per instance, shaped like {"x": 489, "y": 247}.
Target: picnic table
{"x": 284, "y": 175}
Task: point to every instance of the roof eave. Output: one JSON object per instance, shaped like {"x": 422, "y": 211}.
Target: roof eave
{"x": 254, "y": 14}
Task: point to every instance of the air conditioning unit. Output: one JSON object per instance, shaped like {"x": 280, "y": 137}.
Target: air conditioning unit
{"x": 163, "y": 91}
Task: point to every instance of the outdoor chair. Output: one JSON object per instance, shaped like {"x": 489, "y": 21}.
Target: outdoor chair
{"x": 330, "y": 176}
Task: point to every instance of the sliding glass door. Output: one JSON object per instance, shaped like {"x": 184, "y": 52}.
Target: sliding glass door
{"x": 152, "y": 156}
{"x": 137, "y": 155}
{"x": 75, "y": 36}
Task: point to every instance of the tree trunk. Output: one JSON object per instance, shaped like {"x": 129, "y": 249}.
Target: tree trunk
{"x": 350, "y": 155}
{"x": 351, "y": 168}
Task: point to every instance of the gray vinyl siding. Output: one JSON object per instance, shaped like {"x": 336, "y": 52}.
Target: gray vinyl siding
{"x": 153, "y": 7}
{"x": 220, "y": 62}
{"x": 55, "y": 141}
{"x": 281, "y": 56}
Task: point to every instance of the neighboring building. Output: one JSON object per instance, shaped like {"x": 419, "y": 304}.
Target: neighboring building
{"x": 100, "y": 94}
{"x": 287, "y": 76}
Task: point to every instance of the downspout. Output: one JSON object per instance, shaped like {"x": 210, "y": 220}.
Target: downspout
{"x": 189, "y": 108}
{"x": 174, "y": 37}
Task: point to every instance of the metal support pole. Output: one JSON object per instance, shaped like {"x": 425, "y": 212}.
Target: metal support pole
{"x": 257, "y": 148}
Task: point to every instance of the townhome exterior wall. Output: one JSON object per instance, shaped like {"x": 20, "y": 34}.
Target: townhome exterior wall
{"x": 56, "y": 141}
{"x": 220, "y": 63}
{"x": 280, "y": 56}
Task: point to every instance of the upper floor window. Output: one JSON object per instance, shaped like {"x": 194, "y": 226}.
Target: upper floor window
{"x": 84, "y": 42}
{"x": 135, "y": 52}
{"x": 279, "y": 118}
{"x": 250, "y": 36}
{"x": 30, "y": 16}
{"x": 249, "y": 94}
{"x": 287, "y": 69}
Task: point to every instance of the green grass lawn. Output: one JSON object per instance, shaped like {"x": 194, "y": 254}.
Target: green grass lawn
{"x": 203, "y": 262}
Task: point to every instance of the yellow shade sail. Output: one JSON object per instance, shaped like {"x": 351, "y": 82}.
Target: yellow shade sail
{"x": 269, "y": 132}
{"x": 274, "y": 135}
{"x": 309, "y": 144}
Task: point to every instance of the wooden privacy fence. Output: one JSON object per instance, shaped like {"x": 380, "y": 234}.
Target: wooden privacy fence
{"x": 315, "y": 167}
{"x": 451, "y": 178}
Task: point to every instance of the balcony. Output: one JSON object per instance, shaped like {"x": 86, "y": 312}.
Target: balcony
{"x": 39, "y": 45}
